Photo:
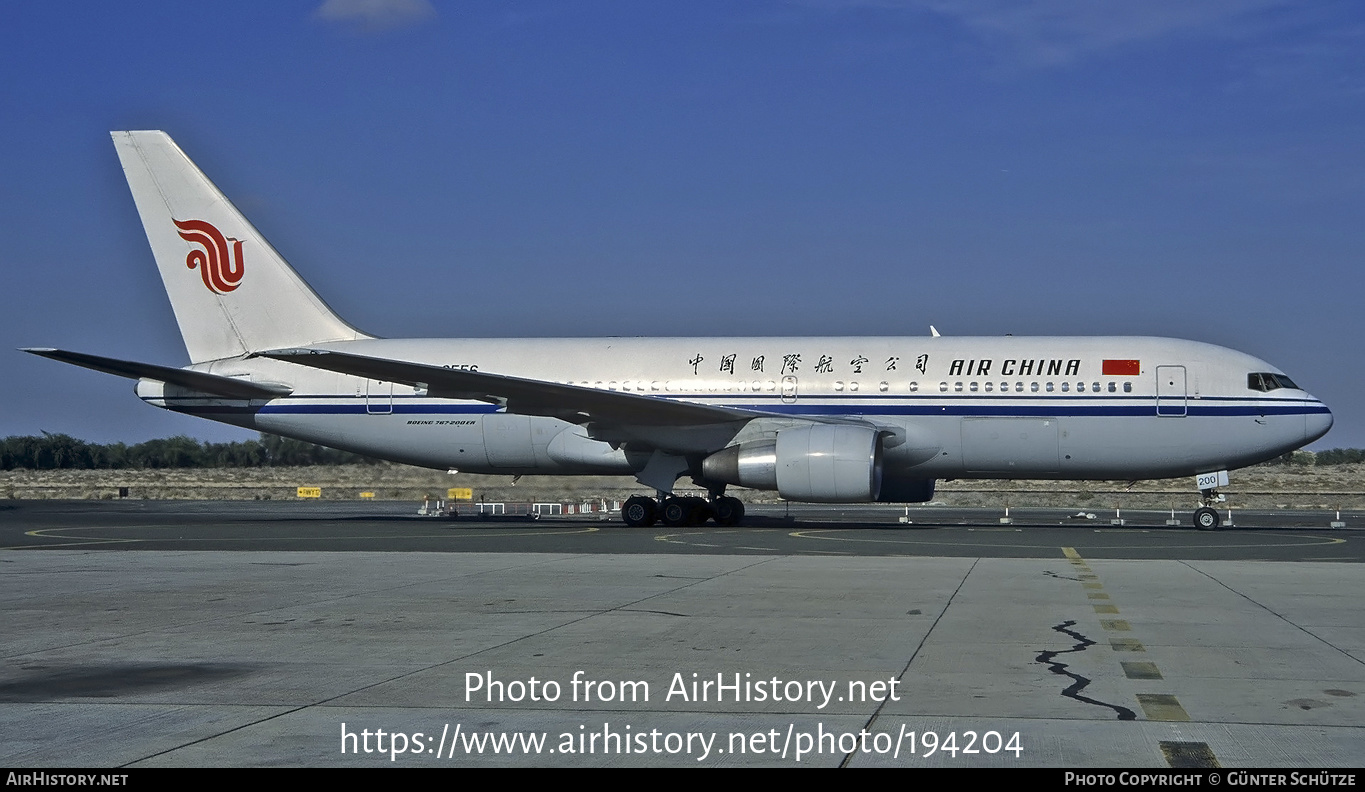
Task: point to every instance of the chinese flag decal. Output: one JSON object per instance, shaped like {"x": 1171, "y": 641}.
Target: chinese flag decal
{"x": 1120, "y": 368}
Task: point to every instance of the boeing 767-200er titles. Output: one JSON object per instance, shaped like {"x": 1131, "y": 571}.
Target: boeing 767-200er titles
{"x": 833, "y": 420}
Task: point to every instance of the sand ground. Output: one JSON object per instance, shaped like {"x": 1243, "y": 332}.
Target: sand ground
{"x": 1277, "y": 486}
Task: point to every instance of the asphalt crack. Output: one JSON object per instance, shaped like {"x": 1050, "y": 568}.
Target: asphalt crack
{"x": 1079, "y": 682}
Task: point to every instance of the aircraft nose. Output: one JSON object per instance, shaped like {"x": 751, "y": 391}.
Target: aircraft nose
{"x": 1316, "y": 424}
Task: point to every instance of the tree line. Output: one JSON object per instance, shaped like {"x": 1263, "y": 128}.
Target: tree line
{"x": 58, "y": 451}
{"x": 64, "y": 452}
{"x": 1332, "y": 456}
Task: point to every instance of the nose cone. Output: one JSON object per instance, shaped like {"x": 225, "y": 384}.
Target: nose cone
{"x": 1316, "y": 424}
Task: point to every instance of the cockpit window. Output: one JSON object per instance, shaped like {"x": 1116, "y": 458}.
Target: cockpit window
{"x": 1266, "y": 382}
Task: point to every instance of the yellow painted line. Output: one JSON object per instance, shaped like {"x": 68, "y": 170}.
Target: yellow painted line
{"x": 1070, "y": 552}
{"x": 1140, "y": 669}
{"x": 86, "y": 543}
{"x": 1105, "y": 608}
{"x": 1092, "y": 585}
{"x": 1096, "y": 595}
{"x": 1126, "y": 645}
{"x": 1162, "y": 707}
{"x": 1188, "y": 755}
{"x": 1300, "y": 541}
{"x": 1115, "y": 625}
{"x": 505, "y": 532}
{"x": 814, "y": 533}
{"x": 47, "y": 533}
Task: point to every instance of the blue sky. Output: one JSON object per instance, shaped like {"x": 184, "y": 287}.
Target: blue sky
{"x": 816, "y": 167}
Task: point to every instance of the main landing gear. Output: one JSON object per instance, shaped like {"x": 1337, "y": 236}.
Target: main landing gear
{"x": 677, "y": 511}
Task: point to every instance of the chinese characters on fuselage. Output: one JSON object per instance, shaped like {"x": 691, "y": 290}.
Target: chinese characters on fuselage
{"x": 960, "y": 367}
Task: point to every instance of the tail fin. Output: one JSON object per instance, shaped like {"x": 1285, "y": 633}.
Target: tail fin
{"x": 232, "y": 293}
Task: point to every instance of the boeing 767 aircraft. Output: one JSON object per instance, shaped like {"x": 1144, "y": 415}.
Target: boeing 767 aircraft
{"x": 834, "y": 420}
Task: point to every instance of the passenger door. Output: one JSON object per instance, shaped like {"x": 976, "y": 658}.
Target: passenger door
{"x": 1170, "y": 391}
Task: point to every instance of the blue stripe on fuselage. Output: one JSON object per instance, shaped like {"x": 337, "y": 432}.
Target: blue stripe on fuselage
{"x": 1054, "y": 407}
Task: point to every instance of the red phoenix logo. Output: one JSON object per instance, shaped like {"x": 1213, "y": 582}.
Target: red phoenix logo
{"x": 221, "y": 273}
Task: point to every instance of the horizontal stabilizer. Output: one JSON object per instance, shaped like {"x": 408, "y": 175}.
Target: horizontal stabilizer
{"x": 195, "y": 380}
{"x": 522, "y": 396}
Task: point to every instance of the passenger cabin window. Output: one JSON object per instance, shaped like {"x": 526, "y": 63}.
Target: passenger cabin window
{"x": 1066, "y": 386}
{"x": 1266, "y": 382}
{"x": 1127, "y": 387}
{"x": 1113, "y": 387}
{"x": 1033, "y": 387}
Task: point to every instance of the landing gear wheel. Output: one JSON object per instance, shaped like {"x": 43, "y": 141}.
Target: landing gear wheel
{"x": 640, "y": 512}
{"x": 1206, "y": 519}
{"x": 729, "y": 511}
{"x": 701, "y": 511}
{"x": 678, "y": 512}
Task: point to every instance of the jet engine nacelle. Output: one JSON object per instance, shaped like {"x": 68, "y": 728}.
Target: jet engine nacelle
{"x": 822, "y": 463}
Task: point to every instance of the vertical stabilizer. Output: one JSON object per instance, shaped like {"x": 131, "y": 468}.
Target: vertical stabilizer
{"x": 231, "y": 291}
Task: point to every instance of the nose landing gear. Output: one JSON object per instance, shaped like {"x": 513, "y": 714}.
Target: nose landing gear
{"x": 1206, "y": 517}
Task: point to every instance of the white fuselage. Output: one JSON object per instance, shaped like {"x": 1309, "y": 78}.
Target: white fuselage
{"x": 1011, "y": 407}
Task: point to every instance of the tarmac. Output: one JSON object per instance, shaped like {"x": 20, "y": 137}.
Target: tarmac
{"x": 850, "y": 644}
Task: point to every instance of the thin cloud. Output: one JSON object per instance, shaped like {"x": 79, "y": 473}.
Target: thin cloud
{"x": 1055, "y": 32}
{"x": 373, "y": 16}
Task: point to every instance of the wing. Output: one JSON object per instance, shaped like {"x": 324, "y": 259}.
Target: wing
{"x": 230, "y": 387}
{"x": 523, "y": 396}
